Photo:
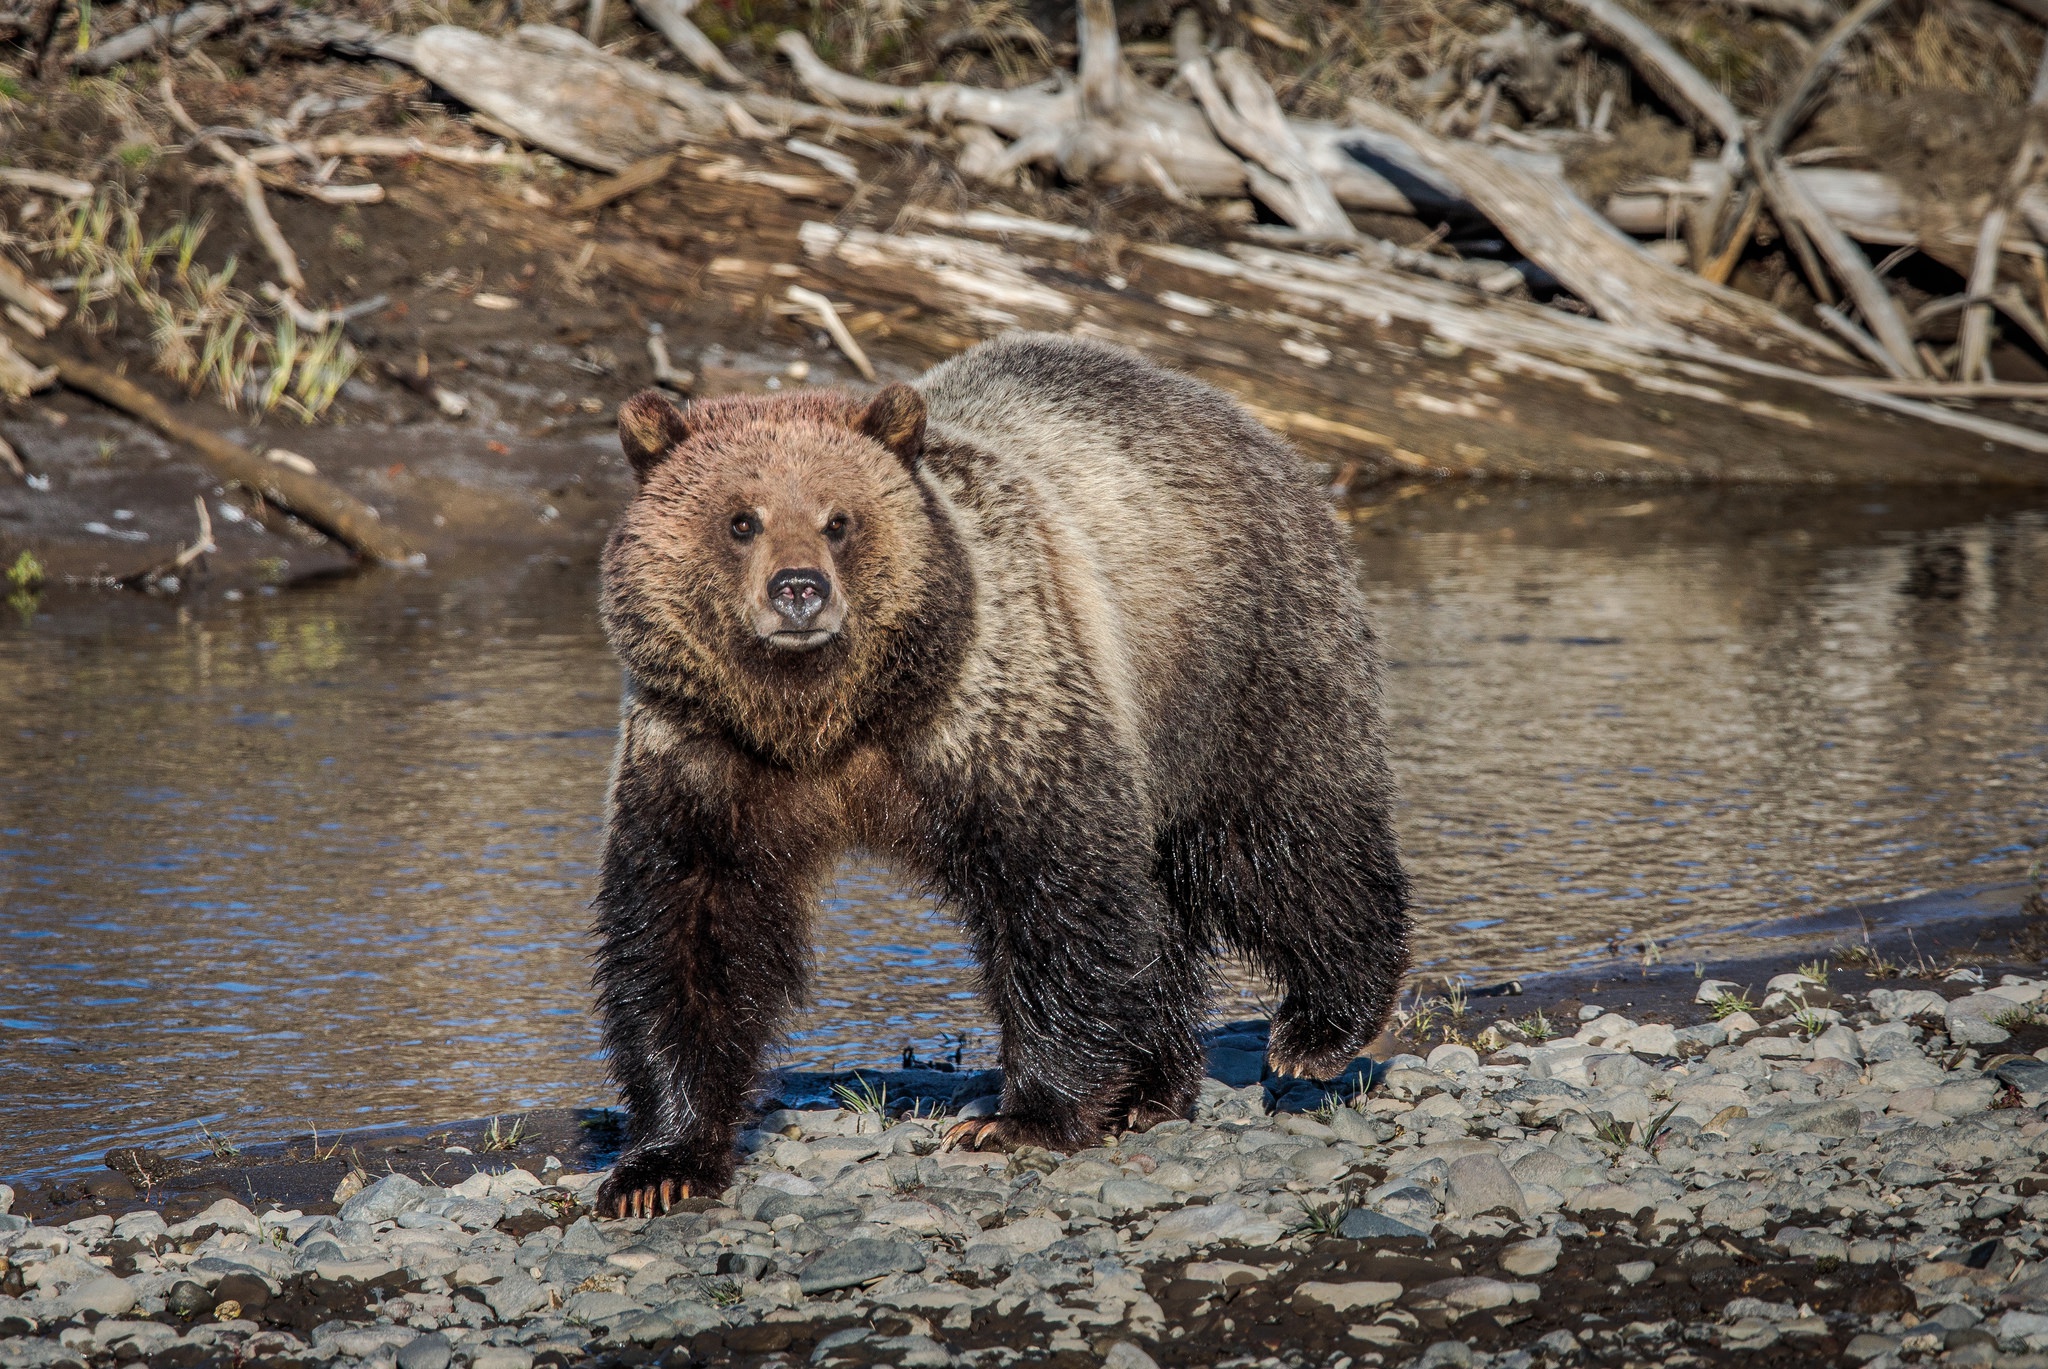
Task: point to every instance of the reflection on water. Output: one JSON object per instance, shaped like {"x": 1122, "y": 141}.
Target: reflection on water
{"x": 322, "y": 857}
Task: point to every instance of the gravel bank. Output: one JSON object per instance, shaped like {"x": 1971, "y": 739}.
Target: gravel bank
{"x": 1852, "y": 1183}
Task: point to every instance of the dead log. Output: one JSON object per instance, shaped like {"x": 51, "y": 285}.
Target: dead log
{"x": 1414, "y": 375}
{"x": 579, "y": 107}
{"x": 308, "y": 498}
{"x": 188, "y": 25}
{"x": 1974, "y": 345}
{"x": 1251, "y": 123}
{"x": 20, "y": 377}
{"x": 1623, "y": 283}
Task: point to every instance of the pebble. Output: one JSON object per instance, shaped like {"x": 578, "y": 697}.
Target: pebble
{"x": 1875, "y": 1147}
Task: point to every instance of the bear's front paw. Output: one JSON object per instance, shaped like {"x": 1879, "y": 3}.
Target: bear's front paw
{"x": 649, "y": 1182}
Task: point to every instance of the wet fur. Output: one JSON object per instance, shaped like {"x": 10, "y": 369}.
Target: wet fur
{"x": 1106, "y": 686}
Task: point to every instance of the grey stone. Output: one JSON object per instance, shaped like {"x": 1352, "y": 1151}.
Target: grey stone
{"x": 821, "y": 1208}
{"x": 1635, "y": 1271}
{"x": 1816, "y": 1245}
{"x": 856, "y": 1262}
{"x": 1445, "y": 1354}
{"x": 598, "y": 1308}
{"x": 107, "y": 1295}
{"x": 1472, "y": 1294}
{"x": 1363, "y": 1224}
{"x": 1868, "y": 1346}
{"x": 1616, "y": 1071}
{"x": 1907, "y": 1174}
{"x": 1481, "y": 1183}
{"x": 501, "y": 1357}
{"x": 428, "y": 1352}
{"x": 1531, "y": 1257}
{"x": 2025, "y": 1074}
{"x": 384, "y": 1200}
{"x": 1125, "y": 1355}
{"x": 584, "y": 1238}
{"x": 1976, "y": 1031}
{"x": 1135, "y": 1195}
{"x": 514, "y": 1296}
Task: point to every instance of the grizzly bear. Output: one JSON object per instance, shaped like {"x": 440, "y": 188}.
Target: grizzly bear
{"x": 1072, "y": 642}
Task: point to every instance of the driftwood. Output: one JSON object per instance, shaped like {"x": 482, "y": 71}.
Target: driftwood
{"x": 1623, "y": 283}
{"x": 1670, "y": 75}
{"x": 37, "y": 308}
{"x": 1421, "y": 376}
{"x": 671, "y": 19}
{"x": 579, "y": 107}
{"x": 68, "y": 187}
{"x": 827, "y": 314}
{"x": 1797, "y": 104}
{"x": 188, "y": 25}
{"x": 309, "y": 498}
{"x": 1974, "y": 345}
{"x": 20, "y": 377}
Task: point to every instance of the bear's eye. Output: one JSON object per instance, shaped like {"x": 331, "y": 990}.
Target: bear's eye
{"x": 835, "y": 526}
{"x": 744, "y": 527}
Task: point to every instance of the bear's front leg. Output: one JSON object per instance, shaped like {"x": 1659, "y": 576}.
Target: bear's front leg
{"x": 702, "y": 949}
{"x": 1098, "y": 992}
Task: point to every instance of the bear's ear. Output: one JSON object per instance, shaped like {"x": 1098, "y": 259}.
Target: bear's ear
{"x": 895, "y": 418}
{"x": 649, "y": 424}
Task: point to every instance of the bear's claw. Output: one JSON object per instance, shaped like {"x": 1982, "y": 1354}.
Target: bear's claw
{"x": 649, "y": 1200}
{"x": 969, "y": 1135}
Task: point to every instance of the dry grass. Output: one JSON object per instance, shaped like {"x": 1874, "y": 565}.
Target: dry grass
{"x": 205, "y": 333}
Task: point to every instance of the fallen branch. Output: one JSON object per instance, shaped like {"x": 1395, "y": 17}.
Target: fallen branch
{"x": 1794, "y": 107}
{"x": 1974, "y": 345}
{"x": 1623, "y": 283}
{"x": 671, "y": 19}
{"x": 29, "y": 297}
{"x": 632, "y": 180}
{"x": 1690, "y": 94}
{"x": 66, "y": 187}
{"x": 188, "y": 25}
{"x": 156, "y": 576}
{"x": 319, "y": 320}
{"x": 358, "y": 145}
{"x": 310, "y": 499}
{"x": 19, "y": 377}
{"x": 249, "y": 184}
{"x": 1251, "y": 123}
{"x": 665, "y": 372}
{"x": 827, "y": 315}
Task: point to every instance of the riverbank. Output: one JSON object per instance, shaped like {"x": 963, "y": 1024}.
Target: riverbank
{"x": 1846, "y": 1167}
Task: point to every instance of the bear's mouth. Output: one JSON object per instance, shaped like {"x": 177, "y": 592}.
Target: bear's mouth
{"x": 794, "y": 640}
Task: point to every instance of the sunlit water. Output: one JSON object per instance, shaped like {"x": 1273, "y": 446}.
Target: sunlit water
{"x": 322, "y": 857}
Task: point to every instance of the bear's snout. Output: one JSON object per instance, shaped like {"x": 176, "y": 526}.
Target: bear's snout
{"x": 803, "y": 611}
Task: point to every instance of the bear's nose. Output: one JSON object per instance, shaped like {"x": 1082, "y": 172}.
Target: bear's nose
{"x": 797, "y": 595}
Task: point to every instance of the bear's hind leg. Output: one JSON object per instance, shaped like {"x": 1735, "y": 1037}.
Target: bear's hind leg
{"x": 1305, "y": 881}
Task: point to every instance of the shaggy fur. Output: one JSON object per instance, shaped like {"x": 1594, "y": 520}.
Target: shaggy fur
{"x": 1102, "y": 680}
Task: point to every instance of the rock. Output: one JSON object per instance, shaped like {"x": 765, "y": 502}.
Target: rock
{"x": 1781, "y": 1048}
{"x": 1652, "y": 1038}
{"x": 1838, "y": 1119}
{"x": 428, "y": 1352}
{"x": 1898, "y": 1004}
{"x": 1963, "y": 1099}
{"x": 106, "y": 1295}
{"x": 1707, "y": 1035}
{"x": 514, "y": 1296}
{"x": 1817, "y": 1245}
{"x": 1531, "y": 1257}
{"x": 1363, "y": 1224}
{"x": 1220, "y": 1221}
{"x": 1135, "y": 1195}
{"x": 599, "y": 1308}
{"x": 1869, "y": 1346}
{"x": 857, "y": 1262}
{"x": 1976, "y": 1031}
{"x": 1026, "y": 1236}
{"x": 1906, "y": 1072}
{"x": 500, "y": 1357}
{"x": 1616, "y": 1071}
{"x": 1838, "y": 1043}
{"x": 1470, "y": 1294}
{"x": 1739, "y": 1024}
{"x": 384, "y": 1200}
{"x": 6, "y": 1200}
{"x": 1480, "y": 1184}
{"x": 1227, "y": 1272}
{"x": 1445, "y": 1354}
{"x": 1454, "y": 1059}
{"x": 1635, "y": 1271}
{"x": 1714, "y": 990}
{"x": 1908, "y": 1174}
{"x": 1348, "y": 1297}
{"x": 1122, "y": 1355}
{"x": 2023, "y": 1073}
{"x": 1616, "y": 1198}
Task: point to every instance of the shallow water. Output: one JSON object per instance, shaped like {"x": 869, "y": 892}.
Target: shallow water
{"x": 321, "y": 857}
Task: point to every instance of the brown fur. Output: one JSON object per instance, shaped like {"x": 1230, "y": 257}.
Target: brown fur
{"x": 1100, "y": 678}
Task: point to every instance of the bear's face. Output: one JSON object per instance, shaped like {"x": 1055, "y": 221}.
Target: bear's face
{"x": 773, "y": 545}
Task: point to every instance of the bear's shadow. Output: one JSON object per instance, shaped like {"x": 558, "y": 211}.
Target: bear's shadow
{"x": 1236, "y": 1056}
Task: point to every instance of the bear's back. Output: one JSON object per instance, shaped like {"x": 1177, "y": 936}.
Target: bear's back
{"x": 1176, "y": 531}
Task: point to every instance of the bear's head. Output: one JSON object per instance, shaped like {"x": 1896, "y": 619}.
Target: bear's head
{"x": 776, "y": 549}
